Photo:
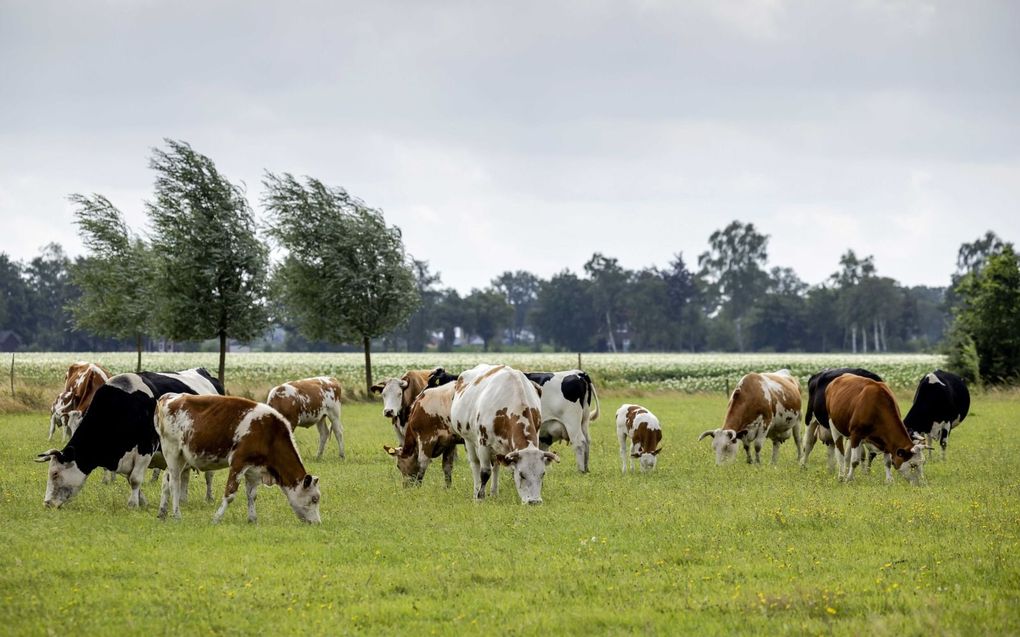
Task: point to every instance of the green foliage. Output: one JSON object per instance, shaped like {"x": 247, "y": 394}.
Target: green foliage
{"x": 961, "y": 355}
{"x": 212, "y": 270}
{"x": 565, "y": 314}
{"x": 990, "y": 314}
{"x": 486, "y": 313}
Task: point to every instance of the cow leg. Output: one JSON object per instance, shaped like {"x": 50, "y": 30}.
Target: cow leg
{"x": 185, "y": 483}
{"x": 837, "y": 453}
{"x": 495, "y": 480}
{"x": 587, "y": 438}
{"x": 323, "y": 436}
{"x": 747, "y": 450}
{"x": 174, "y": 473}
{"x": 338, "y": 432}
{"x": 484, "y": 467}
{"x": 758, "y": 441}
{"x": 622, "y": 437}
{"x": 164, "y": 497}
{"x": 155, "y": 475}
{"x": 229, "y": 491}
{"x": 252, "y": 479}
{"x": 775, "y": 452}
{"x": 888, "y": 468}
{"x": 208, "y": 486}
{"x": 476, "y": 471}
{"x": 809, "y": 443}
{"x": 448, "y": 457}
{"x": 53, "y": 427}
{"x": 797, "y": 436}
{"x": 135, "y": 479}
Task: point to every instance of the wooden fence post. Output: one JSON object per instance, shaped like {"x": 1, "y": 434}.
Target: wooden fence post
{"x": 12, "y": 374}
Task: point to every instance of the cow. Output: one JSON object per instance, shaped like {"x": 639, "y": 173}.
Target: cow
{"x": 428, "y": 436}
{"x": 308, "y": 402}
{"x": 566, "y": 398}
{"x": 118, "y": 433}
{"x": 80, "y": 384}
{"x": 641, "y": 427}
{"x": 762, "y": 406}
{"x": 398, "y": 395}
{"x": 941, "y": 402}
{"x": 864, "y": 410}
{"x": 497, "y": 411}
{"x": 816, "y": 417}
{"x": 252, "y": 439}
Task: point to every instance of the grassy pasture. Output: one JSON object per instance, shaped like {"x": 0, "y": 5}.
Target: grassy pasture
{"x": 692, "y": 548}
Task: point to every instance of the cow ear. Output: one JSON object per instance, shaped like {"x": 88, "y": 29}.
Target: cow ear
{"x": 510, "y": 458}
{"x": 636, "y": 454}
{"x": 549, "y": 456}
{"x": 46, "y": 455}
{"x": 538, "y": 388}
{"x": 656, "y": 452}
{"x": 741, "y": 434}
{"x": 315, "y": 481}
{"x": 902, "y": 453}
{"x": 390, "y": 450}
{"x": 403, "y": 384}
{"x": 707, "y": 433}
{"x": 377, "y": 388}
{"x": 308, "y": 481}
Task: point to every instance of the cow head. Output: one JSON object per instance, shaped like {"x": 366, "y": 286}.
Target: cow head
{"x": 647, "y": 458}
{"x": 392, "y": 391}
{"x": 304, "y": 499}
{"x": 724, "y": 442}
{"x": 910, "y": 462}
{"x": 529, "y": 470}
{"x": 65, "y": 479}
{"x": 439, "y": 377}
{"x": 410, "y": 463}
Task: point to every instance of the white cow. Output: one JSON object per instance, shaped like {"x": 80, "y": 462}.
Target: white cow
{"x": 566, "y": 398}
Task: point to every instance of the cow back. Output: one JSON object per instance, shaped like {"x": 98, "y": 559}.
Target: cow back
{"x": 818, "y": 383}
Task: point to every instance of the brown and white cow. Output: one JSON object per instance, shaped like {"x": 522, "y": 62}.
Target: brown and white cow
{"x": 641, "y": 427}
{"x": 428, "y": 436}
{"x": 80, "y": 384}
{"x": 252, "y": 439}
{"x": 497, "y": 411}
{"x": 308, "y": 402}
{"x": 862, "y": 410}
{"x": 398, "y": 395}
{"x": 762, "y": 406}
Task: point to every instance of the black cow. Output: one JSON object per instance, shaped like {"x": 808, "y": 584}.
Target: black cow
{"x": 566, "y": 398}
{"x": 816, "y": 416}
{"x": 941, "y": 402}
{"x": 439, "y": 377}
{"x": 117, "y": 432}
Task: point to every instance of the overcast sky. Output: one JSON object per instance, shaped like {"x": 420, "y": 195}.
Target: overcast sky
{"x": 528, "y": 135}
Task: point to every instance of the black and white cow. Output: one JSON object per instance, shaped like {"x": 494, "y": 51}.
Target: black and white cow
{"x": 566, "y": 399}
{"x": 941, "y": 402}
{"x": 816, "y": 415}
{"x": 118, "y": 432}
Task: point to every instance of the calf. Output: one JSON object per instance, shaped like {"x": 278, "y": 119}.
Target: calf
{"x": 252, "y": 439}
{"x": 762, "y": 406}
{"x": 864, "y": 410}
{"x": 816, "y": 417}
{"x": 641, "y": 427}
{"x": 566, "y": 398}
{"x": 497, "y": 411}
{"x": 428, "y": 436}
{"x": 310, "y": 402}
{"x": 117, "y": 432}
{"x": 398, "y": 395}
{"x": 80, "y": 385}
{"x": 941, "y": 402}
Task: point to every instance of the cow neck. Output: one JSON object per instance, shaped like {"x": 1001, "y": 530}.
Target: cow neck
{"x": 86, "y": 454}
{"x": 288, "y": 469}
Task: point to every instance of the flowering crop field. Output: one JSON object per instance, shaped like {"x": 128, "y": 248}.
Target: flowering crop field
{"x": 256, "y": 372}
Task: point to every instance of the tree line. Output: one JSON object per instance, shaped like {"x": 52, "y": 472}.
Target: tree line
{"x": 344, "y": 280}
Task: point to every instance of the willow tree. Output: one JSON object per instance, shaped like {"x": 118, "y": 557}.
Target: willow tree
{"x": 345, "y": 277}
{"x": 212, "y": 269}
{"x": 115, "y": 278}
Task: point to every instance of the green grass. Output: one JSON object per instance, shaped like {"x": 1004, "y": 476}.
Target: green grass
{"x": 691, "y": 548}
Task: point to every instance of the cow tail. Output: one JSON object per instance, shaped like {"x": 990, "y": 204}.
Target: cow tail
{"x": 592, "y": 394}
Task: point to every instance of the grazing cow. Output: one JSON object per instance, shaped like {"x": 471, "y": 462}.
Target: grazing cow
{"x": 762, "y": 405}
{"x": 941, "y": 402}
{"x": 118, "y": 432}
{"x": 816, "y": 417}
{"x": 428, "y": 436}
{"x": 80, "y": 384}
{"x": 254, "y": 440}
{"x": 641, "y": 427}
{"x": 566, "y": 399}
{"x": 398, "y": 395}
{"x": 310, "y": 402}
{"x": 497, "y": 411}
{"x": 865, "y": 410}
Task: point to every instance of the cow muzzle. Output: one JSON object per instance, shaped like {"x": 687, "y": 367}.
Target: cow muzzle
{"x": 389, "y": 413}
{"x": 535, "y": 501}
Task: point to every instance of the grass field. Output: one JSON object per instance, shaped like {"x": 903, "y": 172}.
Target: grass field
{"x": 689, "y": 549}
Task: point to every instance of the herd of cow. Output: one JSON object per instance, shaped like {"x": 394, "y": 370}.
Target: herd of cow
{"x": 182, "y": 421}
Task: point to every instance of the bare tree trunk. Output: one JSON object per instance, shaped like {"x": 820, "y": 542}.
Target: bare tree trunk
{"x": 740, "y": 334}
{"x": 878, "y": 346}
{"x": 223, "y": 355}
{"x": 367, "y": 342}
{"x": 138, "y": 347}
{"x": 853, "y": 337}
{"x": 609, "y": 326}
{"x": 885, "y": 343}
{"x": 864, "y": 339}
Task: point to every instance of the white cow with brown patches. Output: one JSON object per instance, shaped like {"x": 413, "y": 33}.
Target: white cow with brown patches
{"x": 762, "y": 406}
{"x": 428, "y": 436}
{"x": 308, "y": 402}
{"x": 497, "y": 411}
{"x": 642, "y": 429}
{"x": 80, "y": 384}
{"x": 398, "y": 396}
{"x": 252, "y": 439}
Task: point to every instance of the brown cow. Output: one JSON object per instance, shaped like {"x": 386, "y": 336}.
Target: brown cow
{"x": 762, "y": 405}
{"x": 80, "y": 384}
{"x": 252, "y": 439}
{"x": 863, "y": 410}
{"x": 398, "y": 395}
{"x": 641, "y": 427}
{"x": 310, "y": 402}
{"x": 428, "y": 436}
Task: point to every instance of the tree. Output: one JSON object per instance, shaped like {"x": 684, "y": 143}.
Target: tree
{"x": 652, "y": 327}
{"x": 116, "y": 279}
{"x": 15, "y": 309}
{"x": 212, "y": 270}
{"x": 423, "y": 320}
{"x": 684, "y": 303}
{"x": 486, "y": 313}
{"x": 346, "y": 277}
{"x": 733, "y": 266}
{"x": 609, "y": 281}
{"x": 50, "y": 292}
{"x": 520, "y": 289}
{"x": 990, "y": 314}
{"x": 778, "y": 320}
{"x": 564, "y": 312}
{"x": 449, "y": 316}
{"x": 855, "y": 307}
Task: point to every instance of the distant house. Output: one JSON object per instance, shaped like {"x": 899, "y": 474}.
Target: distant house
{"x": 9, "y": 341}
